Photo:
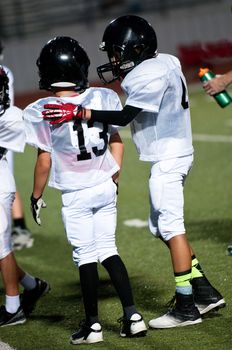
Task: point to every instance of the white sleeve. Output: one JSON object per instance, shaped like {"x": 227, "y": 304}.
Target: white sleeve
{"x": 38, "y": 132}
{"x": 113, "y": 101}
{"x": 12, "y": 130}
{"x": 145, "y": 90}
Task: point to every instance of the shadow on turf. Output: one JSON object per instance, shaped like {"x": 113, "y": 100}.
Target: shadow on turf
{"x": 145, "y": 297}
{"x": 67, "y": 310}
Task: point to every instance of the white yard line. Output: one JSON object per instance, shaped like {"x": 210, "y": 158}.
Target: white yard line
{"x": 136, "y": 223}
{"x": 212, "y": 138}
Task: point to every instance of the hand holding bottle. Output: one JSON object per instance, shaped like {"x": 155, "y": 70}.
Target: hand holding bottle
{"x": 215, "y": 89}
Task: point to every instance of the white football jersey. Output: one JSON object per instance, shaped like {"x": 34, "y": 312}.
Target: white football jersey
{"x": 79, "y": 152}
{"x": 12, "y": 137}
{"x": 162, "y": 130}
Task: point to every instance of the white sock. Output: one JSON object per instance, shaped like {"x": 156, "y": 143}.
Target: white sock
{"x": 186, "y": 290}
{"x": 28, "y": 282}
{"x": 12, "y": 303}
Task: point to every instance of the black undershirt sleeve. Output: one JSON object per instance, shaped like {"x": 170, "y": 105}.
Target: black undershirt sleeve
{"x": 121, "y": 118}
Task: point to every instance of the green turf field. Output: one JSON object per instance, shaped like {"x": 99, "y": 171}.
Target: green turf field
{"x": 208, "y": 216}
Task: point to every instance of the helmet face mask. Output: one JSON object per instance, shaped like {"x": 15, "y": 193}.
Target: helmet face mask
{"x": 117, "y": 66}
{"x": 128, "y": 40}
{"x": 63, "y": 63}
{"x": 4, "y": 92}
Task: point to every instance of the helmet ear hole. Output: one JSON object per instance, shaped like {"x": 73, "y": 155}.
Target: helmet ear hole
{"x": 139, "y": 48}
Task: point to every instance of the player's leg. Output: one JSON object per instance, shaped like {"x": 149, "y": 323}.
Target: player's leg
{"x": 12, "y": 274}
{"x": 11, "y": 313}
{"x": 132, "y": 323}
{"x": 78, "y": 220}
{"x": 21, "y": 235}
{"x": 206, "y": 296}
{"x": 34, "y": 289}
{"x": 90, "y": 330}
{"x": 166, "y": 198}
{"x": 104, "y": 229}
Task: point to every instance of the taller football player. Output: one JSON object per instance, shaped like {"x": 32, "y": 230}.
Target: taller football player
{"x": 157, "y": 109}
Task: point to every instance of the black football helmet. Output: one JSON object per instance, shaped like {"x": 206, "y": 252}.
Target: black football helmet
{"x": 128, "y": 40}
{"x": 63, "y": 63}
{"x": 4, "y": 91}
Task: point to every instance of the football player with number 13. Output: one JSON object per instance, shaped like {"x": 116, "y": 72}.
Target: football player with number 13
{"x": 85, "y": 170}
{"x": 157, "y": 109}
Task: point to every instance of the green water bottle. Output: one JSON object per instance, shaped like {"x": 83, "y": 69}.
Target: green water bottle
{"x": 222, "y": 98}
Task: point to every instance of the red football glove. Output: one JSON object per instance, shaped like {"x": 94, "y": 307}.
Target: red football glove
{"x": 61, "y": 113}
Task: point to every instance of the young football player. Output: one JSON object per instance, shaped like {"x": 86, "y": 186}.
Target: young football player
{"x": 12, "y": 136}
{"x": 85, "y": 171}
{"x": 21, "y": 235}
{"x": 157, "y": 109}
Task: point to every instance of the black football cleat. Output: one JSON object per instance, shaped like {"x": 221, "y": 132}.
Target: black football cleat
{"x": 8, "y": 319}
{"x": 206, "y": 297}
{"x": 29, "y": 298}
{"x": 183, "y": 313}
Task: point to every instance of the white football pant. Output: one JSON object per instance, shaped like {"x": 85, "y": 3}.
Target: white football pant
{"x": 89, "y": 217}
{"x": 6, "y": 201}
{"x": 166, "y": 187}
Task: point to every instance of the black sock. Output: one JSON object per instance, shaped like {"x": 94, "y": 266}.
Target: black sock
{"x": 20, "y": 223}
{"x": 129, "y": 311}
{"x": 89, "y": 281}
{"x": 197, "y": 271}
{"x": 119, "y": 277}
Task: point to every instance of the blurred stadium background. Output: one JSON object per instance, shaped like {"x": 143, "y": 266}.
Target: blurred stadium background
{"x": 198, "y": 32}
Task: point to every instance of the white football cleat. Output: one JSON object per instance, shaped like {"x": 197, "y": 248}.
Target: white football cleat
{"x": 184, "y": 313}
{"x": 87, "y": 335}
{"x": 134, "y": 327}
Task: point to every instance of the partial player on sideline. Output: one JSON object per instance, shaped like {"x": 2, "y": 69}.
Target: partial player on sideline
{"x": 12, "y": 137}
{"x": 21, "y": 235}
